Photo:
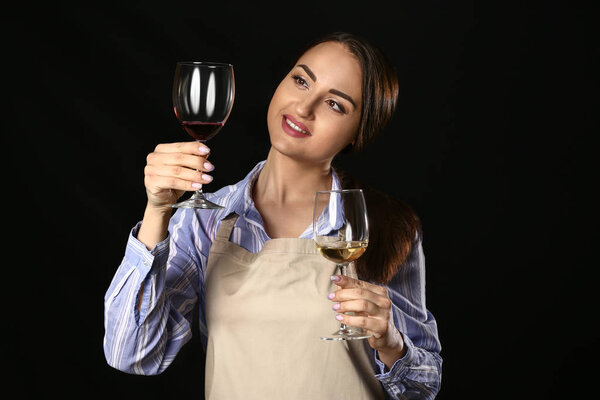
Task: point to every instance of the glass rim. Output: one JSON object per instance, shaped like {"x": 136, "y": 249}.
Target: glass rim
{"x": 204, "y": 63}
{"x": 340, "y": 191}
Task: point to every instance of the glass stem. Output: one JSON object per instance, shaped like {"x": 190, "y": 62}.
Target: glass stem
{"x": 343, "y": 271}
{"x": 198, "y": 194}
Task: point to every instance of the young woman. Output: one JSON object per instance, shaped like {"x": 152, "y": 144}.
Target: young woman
{"x": 248, "y": 266}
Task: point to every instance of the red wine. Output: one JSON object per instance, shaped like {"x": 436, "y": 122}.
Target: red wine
{"x": 202, "y": 130}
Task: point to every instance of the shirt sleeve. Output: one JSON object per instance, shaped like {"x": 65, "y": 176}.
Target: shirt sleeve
{"x": 144, "y": 340}
{"x": 418, "y": 374}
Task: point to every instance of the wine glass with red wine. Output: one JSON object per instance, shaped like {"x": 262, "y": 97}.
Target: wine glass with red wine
{"x": 203, "y": 94}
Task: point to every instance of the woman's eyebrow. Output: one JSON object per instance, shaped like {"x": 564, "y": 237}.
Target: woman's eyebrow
{"x": 344, "y": 95}
{"x": 308, "y": 72}
{"x": 332, "y": 91}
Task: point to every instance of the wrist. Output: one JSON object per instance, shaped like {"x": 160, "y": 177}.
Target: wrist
{"x": 390, "y": 355}
{"x": 154, "y": 225}
{"x": 158, "y": 211}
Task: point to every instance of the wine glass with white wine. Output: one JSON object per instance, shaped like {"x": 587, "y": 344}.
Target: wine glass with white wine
{"x": 341, "y": 232}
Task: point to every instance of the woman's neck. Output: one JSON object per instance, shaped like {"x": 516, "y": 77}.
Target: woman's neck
{"x": 284, "y": 180}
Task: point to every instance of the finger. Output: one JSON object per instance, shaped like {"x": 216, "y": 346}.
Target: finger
{"x": 374, "y": 325}
{"x": 360, "y": 293}
{"x": 180, "y": 159}
{"x": 362, "y": 307}
{"x": 348, "y": 282}
{"x": 187, "y": 161}
{"x": 156, "y": 184}
{"x": 192, "y": 182}
{"x": 178, "y": 172}
{"x": 344, "y": 281}
{"x": 183, "y": 147}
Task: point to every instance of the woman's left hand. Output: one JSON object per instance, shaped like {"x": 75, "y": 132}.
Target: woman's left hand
{"x": 372, "y": 310}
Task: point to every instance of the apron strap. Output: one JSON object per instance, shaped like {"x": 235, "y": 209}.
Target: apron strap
{"x": 226, "y": 227}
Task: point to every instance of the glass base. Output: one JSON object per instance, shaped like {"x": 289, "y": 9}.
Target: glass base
{"x": 347, "y": 334}
{"x": 197, "y": 201}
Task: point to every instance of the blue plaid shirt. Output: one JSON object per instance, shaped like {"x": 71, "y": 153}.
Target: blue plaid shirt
{"x": 145, "y": 342}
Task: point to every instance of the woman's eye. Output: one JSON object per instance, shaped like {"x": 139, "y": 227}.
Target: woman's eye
{"x": 299, "y": 80}
{"x": 335, "y": 106}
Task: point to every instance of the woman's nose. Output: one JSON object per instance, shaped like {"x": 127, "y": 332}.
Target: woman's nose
{"x": 305, "y": 106}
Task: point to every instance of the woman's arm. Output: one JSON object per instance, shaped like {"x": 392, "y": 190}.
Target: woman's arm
{"x": 148, "y": 305}
{"x": 405, "y": 338}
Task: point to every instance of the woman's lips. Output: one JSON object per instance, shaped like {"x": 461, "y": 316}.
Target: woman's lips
{"x": 294, "y": 128}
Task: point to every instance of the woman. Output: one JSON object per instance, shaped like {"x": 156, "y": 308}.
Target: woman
{"x": 339, "y": 94}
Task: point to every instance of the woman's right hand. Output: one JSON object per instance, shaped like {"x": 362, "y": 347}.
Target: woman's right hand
{"x": 174, "y": 168}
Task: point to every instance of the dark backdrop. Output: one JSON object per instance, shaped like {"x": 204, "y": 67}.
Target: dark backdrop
{"x": 489, "y": 145}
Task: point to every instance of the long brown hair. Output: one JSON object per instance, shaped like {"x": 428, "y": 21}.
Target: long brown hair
{"x": 394, "y": 229}
{"x": 395, "y": 226}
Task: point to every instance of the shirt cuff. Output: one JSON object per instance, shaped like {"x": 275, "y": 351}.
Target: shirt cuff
{"x": 146, "y": 261}
{"x": 400, "y": 367}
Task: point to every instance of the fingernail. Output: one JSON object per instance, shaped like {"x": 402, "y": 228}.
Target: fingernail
{"x": 336, "y": 306}
{"x": 339, "y": 317}
{"x": 336, "y": 278}
{"x": 196, "y": 185}
{"x": 208, "y": 166}
{"x": 207, "y": 178}
{"x": 203, "y": 150}
{"x": 330, "y": 296}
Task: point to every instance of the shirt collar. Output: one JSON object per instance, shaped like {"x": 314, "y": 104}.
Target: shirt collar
{"x": 244, "y": 205}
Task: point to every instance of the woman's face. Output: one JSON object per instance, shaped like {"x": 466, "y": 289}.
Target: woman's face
{"x": 315, "y": 111}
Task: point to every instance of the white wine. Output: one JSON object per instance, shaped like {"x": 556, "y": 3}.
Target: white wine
{"x": 342, "y": 252}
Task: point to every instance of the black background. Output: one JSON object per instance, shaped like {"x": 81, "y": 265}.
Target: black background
{"x": 490, "y": 145}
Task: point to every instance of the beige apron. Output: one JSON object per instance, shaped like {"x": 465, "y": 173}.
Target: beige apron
{"x": 265, "y": 313}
